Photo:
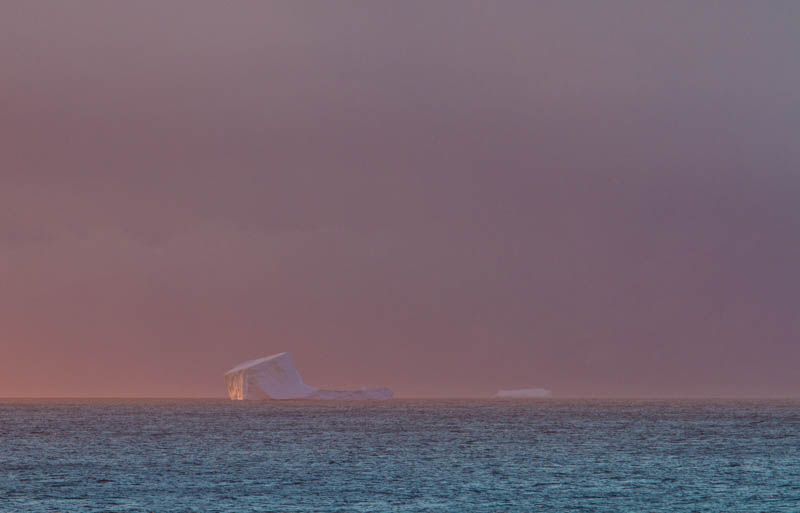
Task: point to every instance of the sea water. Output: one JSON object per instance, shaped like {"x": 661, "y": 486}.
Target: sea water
{"x": 400, "y": 455}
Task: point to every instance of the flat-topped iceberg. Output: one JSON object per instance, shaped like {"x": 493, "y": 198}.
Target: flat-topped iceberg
{"x": 275, "y": 377}
{"x": 524, "y": 393}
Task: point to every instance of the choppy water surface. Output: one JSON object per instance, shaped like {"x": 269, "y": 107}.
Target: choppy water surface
{"x": 454, "y": 456}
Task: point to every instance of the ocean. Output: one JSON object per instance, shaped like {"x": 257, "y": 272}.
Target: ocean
{"x": 400, "y": 455}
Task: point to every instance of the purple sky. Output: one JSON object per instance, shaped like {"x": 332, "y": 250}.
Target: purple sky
{"x": 446, "y": 198}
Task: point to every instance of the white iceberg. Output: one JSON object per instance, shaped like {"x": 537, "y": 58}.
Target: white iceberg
{"x": 524, "y": 393}
{"x": 275, "y": 377}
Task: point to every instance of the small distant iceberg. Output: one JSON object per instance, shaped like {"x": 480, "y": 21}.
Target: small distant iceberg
{"x": 275, "y": 377}
{"x": 524, "y": 393}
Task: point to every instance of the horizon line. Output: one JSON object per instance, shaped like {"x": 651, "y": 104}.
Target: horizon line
{"x": 418, "y": 398}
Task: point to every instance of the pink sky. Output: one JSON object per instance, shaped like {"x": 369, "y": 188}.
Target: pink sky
{"x": 447, "y": 198}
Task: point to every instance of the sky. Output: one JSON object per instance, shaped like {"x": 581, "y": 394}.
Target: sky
{"x": 446, "y": 198}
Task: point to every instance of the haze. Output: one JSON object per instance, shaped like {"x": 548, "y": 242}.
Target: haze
{"x": 445, "y": 198}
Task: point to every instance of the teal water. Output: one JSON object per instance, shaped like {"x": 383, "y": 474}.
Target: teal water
{"x": 437, "y": 456}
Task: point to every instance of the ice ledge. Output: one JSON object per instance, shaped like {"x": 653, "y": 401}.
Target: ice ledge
{"x": 275, "y": 377}
{"x": 524, "y": 393}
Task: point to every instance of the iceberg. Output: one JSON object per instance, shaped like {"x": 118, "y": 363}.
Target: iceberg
{"x": 524, "y": 393}
{"x": 275, "y": 377}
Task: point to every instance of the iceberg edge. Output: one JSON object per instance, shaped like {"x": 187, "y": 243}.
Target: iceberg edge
{"x": 524, "y": 393}
{"x": 276, "y": 378}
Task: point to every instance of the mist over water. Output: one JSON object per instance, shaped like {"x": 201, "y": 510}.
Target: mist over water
{"x": 402, "y": 455}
